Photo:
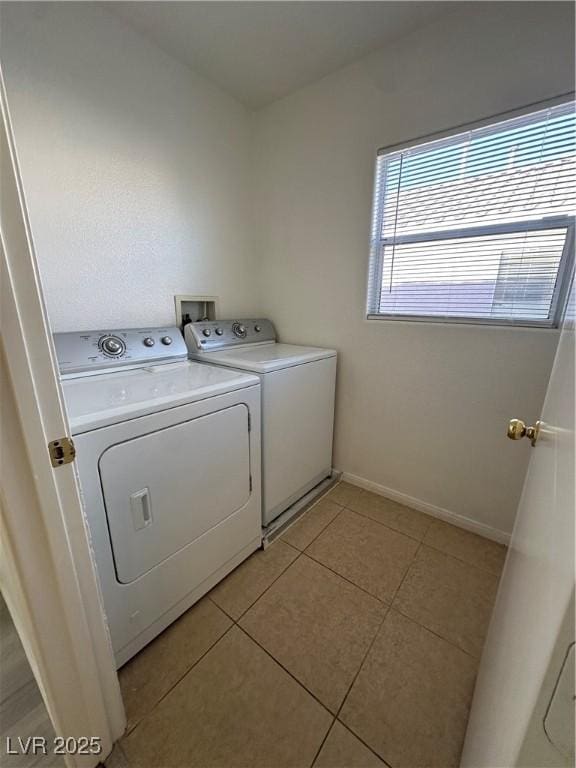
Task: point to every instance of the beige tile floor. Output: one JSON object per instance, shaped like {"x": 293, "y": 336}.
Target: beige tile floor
{"x": 352, "y": 642}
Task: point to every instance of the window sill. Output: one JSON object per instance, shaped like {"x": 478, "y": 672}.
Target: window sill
{"x": 464, "y": 323}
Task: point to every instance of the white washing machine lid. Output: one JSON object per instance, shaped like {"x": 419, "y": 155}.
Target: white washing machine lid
{"x": 264, "y": 358}
{"x": 98, "y": 401}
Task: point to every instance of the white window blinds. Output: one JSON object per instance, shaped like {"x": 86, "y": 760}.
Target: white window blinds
{"x": 478, "y": 226}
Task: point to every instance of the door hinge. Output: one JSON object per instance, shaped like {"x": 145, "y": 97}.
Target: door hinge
{"x": 61, "y": 451}
{"x": 250, "y": 483}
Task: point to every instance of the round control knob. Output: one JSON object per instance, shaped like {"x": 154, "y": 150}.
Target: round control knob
{"x": 219, "y": 331}
{"x": 167, "y": 340}
{"x": 239, "y": 330}
{"x": 207, "y": 332}
{"x": 148, "y": 341}
{"x": 257, "y": 328}
{"x": 113, "y": 346}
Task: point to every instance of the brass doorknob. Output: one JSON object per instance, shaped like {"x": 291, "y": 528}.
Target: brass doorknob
{"x": 517, "y": 429}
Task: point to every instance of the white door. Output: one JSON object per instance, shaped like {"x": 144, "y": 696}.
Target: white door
{"x": 516, "y": 717}
{"x": 46, "y": 570}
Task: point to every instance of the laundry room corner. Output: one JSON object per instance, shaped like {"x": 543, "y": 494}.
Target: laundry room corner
{"x": 287, "y": 384}
{"x": 420, "y": 405}
{"x": 153, "y": 162}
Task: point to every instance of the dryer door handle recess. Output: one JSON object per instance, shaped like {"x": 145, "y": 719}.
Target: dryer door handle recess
{"x": 140, "y": 508}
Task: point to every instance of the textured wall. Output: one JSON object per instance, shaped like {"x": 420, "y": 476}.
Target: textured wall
{"x": 422, "y": 408}
{"x": 135, "y": 170}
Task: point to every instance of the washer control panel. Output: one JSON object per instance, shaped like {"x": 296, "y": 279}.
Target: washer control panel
{"x": 86, "y": 351}
{"x": 207, "y": 335}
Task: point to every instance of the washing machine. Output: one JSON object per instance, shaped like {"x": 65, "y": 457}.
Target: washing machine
{"x": 168, "y": 458}
{"x": 297, "y": 389}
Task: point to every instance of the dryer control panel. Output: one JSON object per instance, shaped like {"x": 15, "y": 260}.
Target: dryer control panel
{"x": 207, "y": 335}
{"x": 89, "y": 351}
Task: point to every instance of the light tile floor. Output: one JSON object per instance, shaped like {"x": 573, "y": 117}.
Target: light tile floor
{"x": 352, "y": 642}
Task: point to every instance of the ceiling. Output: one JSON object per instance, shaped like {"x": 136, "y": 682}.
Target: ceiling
{"x": 262, "y": 51}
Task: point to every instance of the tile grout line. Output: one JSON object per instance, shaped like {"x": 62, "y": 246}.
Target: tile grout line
{"x": 328, "y": 732}
{"x": 354, "y": 680}
{"x": 416, "y": 551}
{"x": 461, "y": 560}
{"x": 387, "y": 606}
{"x": 343, "y": 724}
{"x": 389, "y": 527}
{"x": 380, "y": 522}
{"x": 370, "y": 646}
{"x": 252, "y": 639}
{"x": 440, "y": 637}
{"x": 282, "y": 572}
{"x": 423, "y": 539}
{"x": 433, "y": 520}
{"x": 276, "y": 661}
{"x": 301, "y": 516}
{"x": 392, "y": 605}
{"x": 394, "y": 530}
{"x": 415, "y": 621}
{"x": 305, "y": 688}
{"x": 300, "y": 683}
{"x": 235, "y": 622}
{"x": 329, "y": 523}
{"x": 344, "y": 578}
{"x": 410, "y": 618}
{"x": 147, "y": 715}
{"x": 263, "y": 593}
{"x": 403, "y": 579}
{"x": 362, "y": 663}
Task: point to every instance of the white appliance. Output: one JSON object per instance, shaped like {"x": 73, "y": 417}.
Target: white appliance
{"x": 297, "y": 405}
{"x": 168, "y": 456}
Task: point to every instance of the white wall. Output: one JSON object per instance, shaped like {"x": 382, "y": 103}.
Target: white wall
{"x": 138, "y": 178}
{"x": 422, "y": 408}
{"x": 136, "y": 170}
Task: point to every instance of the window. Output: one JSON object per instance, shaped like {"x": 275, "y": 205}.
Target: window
{"x": 479, "y": 226}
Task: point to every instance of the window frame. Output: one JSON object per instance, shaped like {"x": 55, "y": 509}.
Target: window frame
{"x": 377, "y": 245}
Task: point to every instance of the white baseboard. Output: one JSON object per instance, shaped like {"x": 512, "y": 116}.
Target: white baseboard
{"x": 430, "y": 509}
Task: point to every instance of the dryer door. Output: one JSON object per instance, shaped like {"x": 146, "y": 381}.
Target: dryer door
{"x": 164, "y": 490}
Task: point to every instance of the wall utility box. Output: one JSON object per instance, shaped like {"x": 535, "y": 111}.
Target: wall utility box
{"x": 193, "y": 308}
